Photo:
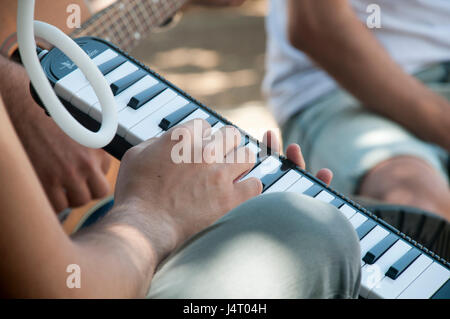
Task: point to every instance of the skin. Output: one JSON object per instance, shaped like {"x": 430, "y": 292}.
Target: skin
{"x": 159, "y": 204}
{"x": 315, "y": 27}
{"x": 72, "y": 175}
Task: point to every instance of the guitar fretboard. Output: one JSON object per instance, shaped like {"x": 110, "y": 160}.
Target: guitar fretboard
{"x": 125, "y": 23}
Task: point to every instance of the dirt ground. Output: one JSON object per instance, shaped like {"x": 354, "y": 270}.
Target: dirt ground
{"x": 217, "y": 56}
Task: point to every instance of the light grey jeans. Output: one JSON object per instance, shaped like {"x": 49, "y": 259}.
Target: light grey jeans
{"x": 339, "y": 133}
{"x": 280, "y": 245}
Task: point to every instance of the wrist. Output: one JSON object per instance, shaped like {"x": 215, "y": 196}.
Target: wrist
{"x": 16, "y": 95}
{"x": 151, "y": 223}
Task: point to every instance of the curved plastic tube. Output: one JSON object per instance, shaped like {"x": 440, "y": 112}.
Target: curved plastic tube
{"x": 27, "y": 28}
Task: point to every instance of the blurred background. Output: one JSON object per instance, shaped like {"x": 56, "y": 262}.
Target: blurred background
{"x": 217, "y": 56}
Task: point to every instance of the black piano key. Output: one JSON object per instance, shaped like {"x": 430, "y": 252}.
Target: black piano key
{"x": 112, "y": 64}
{"x": 176, "y": 117}
{"x": 365, "y": 228}
{"x": 244, "y": 140}
{"x": 262, "y": 155}
{"x": 313, "y": 191}
{"x": 140, "y": 99}
{"x": 443, "y": 292}
{"x": 270, "y": 179}
{"x": 127, "y": 81}
{"x": 337, "y": 202}
{"x": 212, "y": 120}
{"x": 400, "y": 265}
{"x": 379, "y": 249}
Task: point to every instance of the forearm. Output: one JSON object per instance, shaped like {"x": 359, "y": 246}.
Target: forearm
{"x": 332, "y": 35}
{"x": 121, "y": 251}
{"x": 15, "y": 92}
{"x": 117, "y": 258}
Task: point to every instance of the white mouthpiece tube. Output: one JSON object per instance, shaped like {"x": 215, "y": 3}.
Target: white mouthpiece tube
{"x": 27, "y": 28}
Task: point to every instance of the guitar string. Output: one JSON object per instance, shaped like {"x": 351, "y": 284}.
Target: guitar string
{"x": 152, "y": 13}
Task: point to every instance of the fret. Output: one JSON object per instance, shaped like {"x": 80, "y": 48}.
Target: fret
{"x": 107, "y": 29}
{"x": 145, "y": 15}
{"x": 121, "y": 27}
{"x": 126, "y": 22}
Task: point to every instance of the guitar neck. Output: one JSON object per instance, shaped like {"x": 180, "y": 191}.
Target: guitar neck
{"x": 125, "y": 23}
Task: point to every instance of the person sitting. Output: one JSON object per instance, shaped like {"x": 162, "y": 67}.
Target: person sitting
{"x": 370, "y": 104}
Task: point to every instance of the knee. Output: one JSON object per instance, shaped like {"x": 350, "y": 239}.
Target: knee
{"x": 321, "y": 239}
{"x": 407, "y": 180}
{"x": 312, "y": 218}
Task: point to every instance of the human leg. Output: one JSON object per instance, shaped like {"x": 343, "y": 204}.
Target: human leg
{"x": 280, "y": 245}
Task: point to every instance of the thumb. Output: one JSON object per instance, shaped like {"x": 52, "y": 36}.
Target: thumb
{"x": 245, "y": 190}
{"x": 325, "y": 175}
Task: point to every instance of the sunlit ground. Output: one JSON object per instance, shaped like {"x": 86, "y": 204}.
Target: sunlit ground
{"x": 217, "y": 56}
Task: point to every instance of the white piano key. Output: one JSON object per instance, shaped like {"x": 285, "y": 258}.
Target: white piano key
{"x": 357, "y": 220}
{"x": 75, "y": 81}
{"x": 268, "y": 166}
{"x": 371, "y": 275}
{"x": 123, "y": 98}
{"x": 300, "y": 186}
{"x": 129, "y": 117}
{"x": 104, "y": 56}
{"x": 217, "y": 127}
{"x": 253, "y": 148}
{"x": 198, "y": 114}
{"x": 70, "y": 84}
{"x": 427, "y": 283}
{"x": 389, "y": 288}
{"x": 348, "y": 211}
{"x": 84, "y": 99}
{"x": 285, "y": 182}
{"x": 371, "y": 239}
{"x": 325, "y": 197}
{"x": 149, "y": 127}
{"x": 121, "y": 72}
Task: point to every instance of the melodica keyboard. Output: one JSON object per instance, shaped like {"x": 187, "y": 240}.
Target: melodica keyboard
{"x": 393, "y": 265}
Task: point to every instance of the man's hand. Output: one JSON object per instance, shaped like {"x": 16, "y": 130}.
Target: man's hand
{"x": 181, "y": 199}
{"x": 71, "y": 174}
{"x": 294, "y": 153}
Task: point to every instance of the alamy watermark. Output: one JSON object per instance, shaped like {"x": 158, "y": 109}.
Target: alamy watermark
{"x": 73, "y": 20}
{"x": 74, "y": 278}
{"x": 196, "y": 143}
{"x": 373, "y": 21}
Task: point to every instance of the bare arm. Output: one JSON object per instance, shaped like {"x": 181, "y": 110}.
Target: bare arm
{"x": 332, "y": 35}
{"x": 36, "y": 252}
{"x": 156, "y": 209}
{"x": 71, "y": 174}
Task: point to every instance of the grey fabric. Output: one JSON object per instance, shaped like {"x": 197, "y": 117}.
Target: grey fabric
{"x": 339, "y": 133}
{"x": 280, "y": 245}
